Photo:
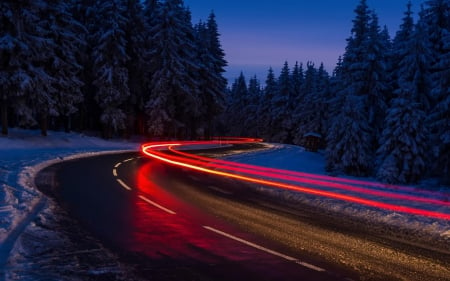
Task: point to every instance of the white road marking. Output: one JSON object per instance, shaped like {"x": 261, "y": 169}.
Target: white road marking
{"x": 118, "y": 164}
{"x": 115, "y": 172}
{"x": 124, "y": 184}
{"x": 129, "y": 159}
{"x": 275, "y": 253}
{"x": 156, "y": 205}
{"x": 226, "y": 192}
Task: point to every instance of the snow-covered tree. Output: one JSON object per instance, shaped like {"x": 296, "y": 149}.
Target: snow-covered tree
{"x": 173, "y": 63}
{"x": 236, "y": 108}
{"x": 110, "y": 63}
{"x": 297, "y": 79}
{"x": 212, "y": 84}
{"x": 281, "y": 121}
{"x": 437, "y": 20}
{"x": 136, "y": 51}
{"x": 62, "y": 64}
{"x": 22, "y": 53}
{"x": 253, "y": 100}
{"x": 404, "y": 150}
{"x": 311, "y": 113}
{"x": 351, "y": 126}
{"x": 351, "y": 129}
{"x": 404, "y": 140}
{"x": 265, "y": 106}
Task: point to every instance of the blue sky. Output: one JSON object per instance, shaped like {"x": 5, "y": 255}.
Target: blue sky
{"x": 257, "y": 34}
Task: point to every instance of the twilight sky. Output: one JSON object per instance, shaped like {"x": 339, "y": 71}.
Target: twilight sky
{"x": 257, "y": 34}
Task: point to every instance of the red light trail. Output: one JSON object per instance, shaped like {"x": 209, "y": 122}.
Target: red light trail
{"x": 318, "y": 185}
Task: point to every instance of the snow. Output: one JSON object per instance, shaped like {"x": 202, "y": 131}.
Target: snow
{"x": 25, "y": 152}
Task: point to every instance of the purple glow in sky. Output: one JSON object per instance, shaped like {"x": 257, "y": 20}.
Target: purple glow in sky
{"x": 257, "y": 34}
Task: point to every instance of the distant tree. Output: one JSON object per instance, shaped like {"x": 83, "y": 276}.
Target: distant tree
{"x": 236, "y": 108}
{"x": 281, "y": 120}
{"x": 312, "y": 112}
{"x": 251, "y": 109}
{"x": 266, "y": 107}
{"x": 297, "y": 80}
{"x": 211, "y": 80}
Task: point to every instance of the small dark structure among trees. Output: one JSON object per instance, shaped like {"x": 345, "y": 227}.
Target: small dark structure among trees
{"x": 312, "y": 141}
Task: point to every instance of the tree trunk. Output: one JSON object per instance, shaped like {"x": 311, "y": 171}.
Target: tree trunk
{"x": 44, "y": 125}
{"x": 4, "y": 113}
{"x": 67, "y": 123}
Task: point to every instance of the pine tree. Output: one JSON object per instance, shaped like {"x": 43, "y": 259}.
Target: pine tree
{"x": 88, "y": 115}
{"x": 110, "y": 64}
{"x": 251, "y": 109}
{"x": 266, "y": 107}
{"x": 281, "y": 116}
{"x": 306, "y": 111}
{"x": 236, "y": 109}
{"x": 377, "y": 82}
{"x": 62, "y": 65}
{"x": 353, "y": 132}
{"x": 404, "y": 148}
{"x": 174, "y": 91}
{"x": 23, "y": 52}
{"x": 136, "y": 50}
{"x": 297, "y": 80}
{"x": 351, "y": 127}
{"x": 437, "y": 21}
{"x": 211, "y": 80}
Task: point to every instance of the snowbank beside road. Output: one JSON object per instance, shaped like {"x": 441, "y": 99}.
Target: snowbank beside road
{"x": 20, "y": 154}
{"x": 297, "y": 159}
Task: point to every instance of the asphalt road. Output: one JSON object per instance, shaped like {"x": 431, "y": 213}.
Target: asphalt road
{"x": 181, "y": 225}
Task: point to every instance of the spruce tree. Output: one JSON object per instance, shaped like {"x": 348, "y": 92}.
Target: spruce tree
{"x": 266, "y": 107}
{"x": 23, "y": 53}
{"x": 237, "y": 106}
{"x": 351, "y": 138}
{"x": 174, "y": 102}
{"x": 62, "y": 65}
{"x": 110, "y": 64}
{"x": 136, "y": 50}
{"x": 251, "y": 109}
{"x": 211, "y": 68}
{"x": 404, "y": 150}
{"x": 437, "y": 20}
{"x": 281, "y": 121}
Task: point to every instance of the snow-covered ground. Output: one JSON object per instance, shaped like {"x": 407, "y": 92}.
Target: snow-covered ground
{"x": 25, "y": 152}
{"x": 20, "y": 154}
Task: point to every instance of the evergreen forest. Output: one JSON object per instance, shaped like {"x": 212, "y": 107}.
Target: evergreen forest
{"x": 120, "y": 68}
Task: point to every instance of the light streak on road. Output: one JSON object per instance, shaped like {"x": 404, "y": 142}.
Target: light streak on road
{"x": 295, "y": 181}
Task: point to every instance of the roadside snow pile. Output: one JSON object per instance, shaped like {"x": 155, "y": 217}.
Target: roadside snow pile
{"x": 312, "y": 176}
{"x": 21, "y": 151}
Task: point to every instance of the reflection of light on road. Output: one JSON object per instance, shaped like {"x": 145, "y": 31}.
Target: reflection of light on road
{"x": 163, "y": 235}
{"x": 291, "y": 180}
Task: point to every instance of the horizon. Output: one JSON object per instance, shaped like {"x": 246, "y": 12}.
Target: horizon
{"x": 257, "y": 37}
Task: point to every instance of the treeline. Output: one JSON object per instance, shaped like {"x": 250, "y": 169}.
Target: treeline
{"x": 384, "y": 111}
{"x": 119, "y": 67}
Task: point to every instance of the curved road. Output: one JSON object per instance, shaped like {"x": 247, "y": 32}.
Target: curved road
{"x": 183, "y": 225}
